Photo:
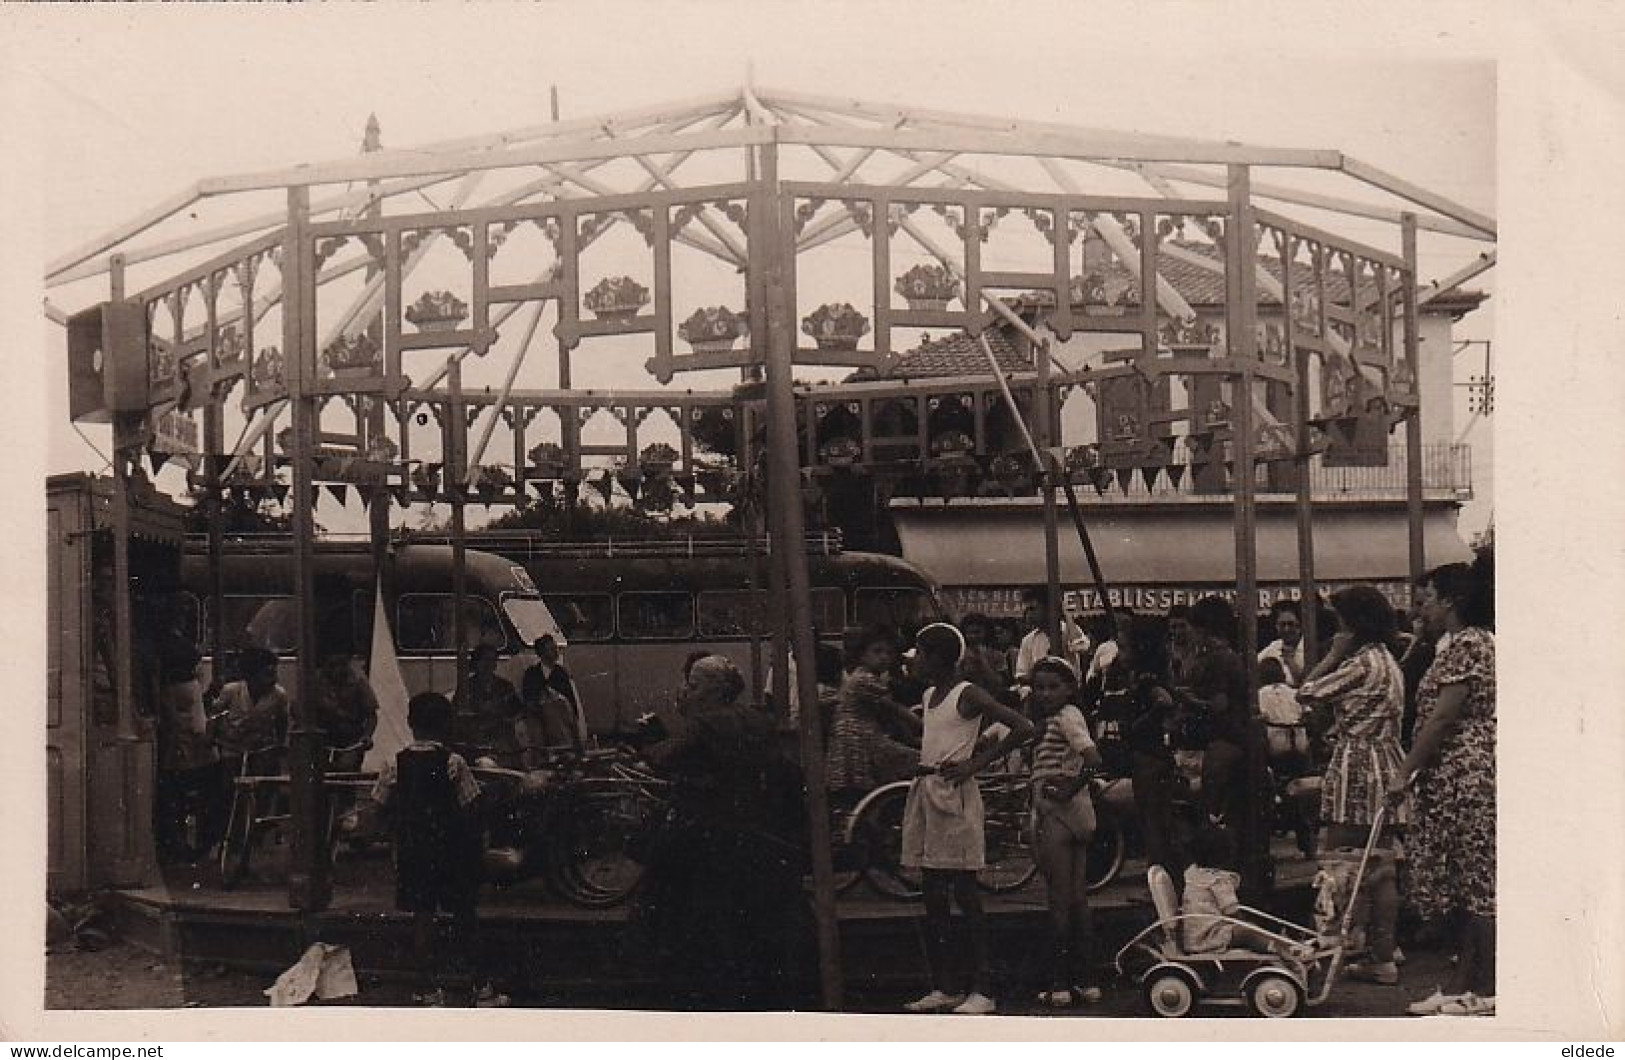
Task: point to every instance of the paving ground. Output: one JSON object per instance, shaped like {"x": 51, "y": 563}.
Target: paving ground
{"x": 125, "y": 977}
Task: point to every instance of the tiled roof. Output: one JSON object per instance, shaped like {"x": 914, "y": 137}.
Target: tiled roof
{"x": 959, "y": 354}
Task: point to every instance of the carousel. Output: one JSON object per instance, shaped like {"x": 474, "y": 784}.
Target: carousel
{"x": 706, "y": 303}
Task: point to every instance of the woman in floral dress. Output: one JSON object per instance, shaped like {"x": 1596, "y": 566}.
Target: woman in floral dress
{"x": 1452, "y": 844}
{"x": 1362, "y": 683}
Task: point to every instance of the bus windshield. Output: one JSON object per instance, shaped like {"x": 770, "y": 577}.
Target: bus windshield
{"x": 532, "y": 619}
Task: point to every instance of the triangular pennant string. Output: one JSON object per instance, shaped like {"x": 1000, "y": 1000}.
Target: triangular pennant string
{"x": 339, "y": 490}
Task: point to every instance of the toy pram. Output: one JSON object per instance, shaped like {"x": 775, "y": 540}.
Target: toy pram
{"x": 1300, "y": 973}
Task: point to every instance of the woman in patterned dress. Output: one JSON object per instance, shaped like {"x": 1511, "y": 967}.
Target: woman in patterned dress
{"x": 1452, "y": 842}
{"x": 862, "y": 753}
{"x": 1362, "y": 683}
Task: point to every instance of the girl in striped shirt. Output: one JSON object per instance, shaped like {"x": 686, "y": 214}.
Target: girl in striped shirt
{"x": 1063, "y": 823}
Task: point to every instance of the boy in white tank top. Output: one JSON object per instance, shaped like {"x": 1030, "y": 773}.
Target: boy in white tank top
{"x": 942, "y": 822}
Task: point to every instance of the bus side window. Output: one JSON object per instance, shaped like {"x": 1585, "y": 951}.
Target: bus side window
{"x": 582, "y": 617}
{"x": 829, "y": 610}
{"x": 427, "y": 622}
{"x": 270, "y": 622}
{"x": 731, "y": 613}
{"x": 655, "y": 616}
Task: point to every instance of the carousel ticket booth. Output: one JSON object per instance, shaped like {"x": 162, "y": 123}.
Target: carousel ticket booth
{"x": 100, "y": 727}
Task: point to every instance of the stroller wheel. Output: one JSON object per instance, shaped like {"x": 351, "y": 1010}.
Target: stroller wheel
{"x": 1170, "y": 993}
{"x": 1273, "y": 995}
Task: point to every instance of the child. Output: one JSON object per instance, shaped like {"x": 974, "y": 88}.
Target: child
{"x": 430, "y": 794}
{"x": 1063, "y": 823}
{"x": 942, "y": 820}
{"x": 1283, "y": 715}
{"x": 1210, "y": 905}
{"x": 862, "y": 754}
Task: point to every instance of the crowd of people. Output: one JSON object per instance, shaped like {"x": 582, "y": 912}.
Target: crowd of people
{"x": 1390, "y": 724}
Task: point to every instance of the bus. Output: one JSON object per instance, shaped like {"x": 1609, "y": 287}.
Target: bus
{"x": 632, "y": 612}
{"x": 501, "y": 606}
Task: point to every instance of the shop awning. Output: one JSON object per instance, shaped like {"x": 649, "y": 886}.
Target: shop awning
{"x": 995, "y": 542}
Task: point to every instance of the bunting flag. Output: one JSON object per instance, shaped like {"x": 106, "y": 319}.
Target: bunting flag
{"x": 384, "y": 675}
{"x": 632, "y": 482}
{"x": 542, "y": 488}
{"x": 604, "y": 484}
{"x": 1176, "y": 472}
{"x": 366, "y": 493}
{"x": 402, "y": 492}
{"x": 1125, "y": 478}
{"x": 157, "y": 459}
{"x": 1149, "y": 474}
{"x": 280, "y": 491}
{"x": 340, "y": 492}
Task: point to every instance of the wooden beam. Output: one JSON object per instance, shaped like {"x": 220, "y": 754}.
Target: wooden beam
{"x": 1280, "y": 193}
{"x": 896, "y": 114}
{"x": 371, "y": 167}
{"x": 133, "y": 227}
{"x": 1419, "y": 195}
{"x": 1122, "y": 146}
{"x": 1428, "y": 292}
{"x": 247, "y": 226}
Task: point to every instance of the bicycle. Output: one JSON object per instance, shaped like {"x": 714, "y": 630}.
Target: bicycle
{"x": 575, "y": 821}
{"x": 877, "y": 823}
{"x": 259, "y": 804}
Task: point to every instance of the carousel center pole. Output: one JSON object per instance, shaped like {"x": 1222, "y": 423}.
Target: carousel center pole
{"x": 308, "y": 884}
{"x": 789, "y": 542}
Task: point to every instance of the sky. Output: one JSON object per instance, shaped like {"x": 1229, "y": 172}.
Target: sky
{"x": 140, "y": 102}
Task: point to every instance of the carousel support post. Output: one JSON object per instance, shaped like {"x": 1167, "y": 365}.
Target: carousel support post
{"x": 1047, "y": 429}
{"x": 308, "y": 885}
{"x": 774, "y": 228}
{"x": 1413, "y": 419}
{"x": 1303, "y": 498}
{"x": 215, "y": 509}
{"x": 123, "y": 614}
{"x": 377, "y": 410}
{"x": 751, "y": 518}
{"x": 457, "y": 479}
{"x": 1241, "y": 311}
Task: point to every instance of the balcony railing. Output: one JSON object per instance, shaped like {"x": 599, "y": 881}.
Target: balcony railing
{"x": 1447, "y": 472}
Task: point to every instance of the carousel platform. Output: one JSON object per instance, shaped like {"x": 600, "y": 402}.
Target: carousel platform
{"x": 562, "y": 954}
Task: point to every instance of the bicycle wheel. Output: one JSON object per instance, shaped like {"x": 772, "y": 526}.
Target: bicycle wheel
{"x": 1106, "y": 851}
{"x": 1010, "y": 863}
{"x": 236, "y": 843}
{"x": 590, "y": 863}
{"x": 878, "y": 827}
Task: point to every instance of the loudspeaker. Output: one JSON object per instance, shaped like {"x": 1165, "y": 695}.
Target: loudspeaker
{"x": 107, "y": 361}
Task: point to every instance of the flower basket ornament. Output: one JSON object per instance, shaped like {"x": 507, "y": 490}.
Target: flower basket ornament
{"x": 841, "y": 451}
{"x": 657, "y": 460}
{"x": 836, "y": 326}
{"x": 437, "y": 311}
{"x": 616, "y": 298}
{"x": 713, "y": 329}
{"x": 927, "y": 286}
{"x": 547, "y": 460}
{"x": 952, "y": 445}
{"x": 268, "y": 366}
{"x": 351, "y": 358}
